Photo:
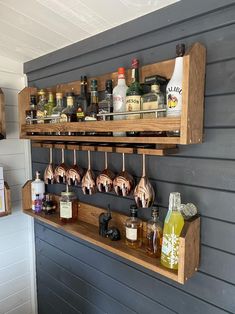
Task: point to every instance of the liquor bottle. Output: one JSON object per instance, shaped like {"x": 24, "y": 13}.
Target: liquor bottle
{"x": 48, "y": 108}
{"x": 133, "y": 94}
{"x": 57, "y": 110}
{"x": 37, "y": 204}
{"x": 37, "y": 187}
{"x": 174, "y": 88}
{"x": 106, "y": 105}
{"x": 173, "y": 226}
{"x": 69, "y": 114}
{"x": 153, "y": 100}
{"x": 92, "y": 110}
{"x": 154, "y": 234}
{"x": 133, "y": 226}
{"x": 119, "y": 98}
{"x": 41, "y": 106}
{"x": 32, "y": 113}
{"x": 82, "y": 100}
{"x": 68, "y": 206}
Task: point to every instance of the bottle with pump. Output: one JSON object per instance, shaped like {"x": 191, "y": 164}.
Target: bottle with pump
{"x": 37, "y": 187}
{"x": 119, "y": 98}
{"x": 133, "y": 226}
{"x": 174, "y": 88}
{"x": 154, "y": 234}
{"x": 173, "y": 226}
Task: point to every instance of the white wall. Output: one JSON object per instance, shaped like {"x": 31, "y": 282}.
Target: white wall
{"x": 17, "y": 286}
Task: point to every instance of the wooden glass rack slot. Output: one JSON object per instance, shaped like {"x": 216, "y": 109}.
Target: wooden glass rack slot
{"x": 190, "y": 123}
{"x": 7, "y": 195}
{"x": 2, "y": 116}
{"x": 86, "y": 228}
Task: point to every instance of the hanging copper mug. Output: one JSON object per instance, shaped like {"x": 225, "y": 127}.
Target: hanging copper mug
{"x": 123, "y": 184}
{"x": 49, "y": 171}
{"x": 144, "y": 194}
{"x": 74, "y": 173}
{"x": 60, "y": 171}
{"x": 104, "y": 181}
{"x": 88, "y": 181}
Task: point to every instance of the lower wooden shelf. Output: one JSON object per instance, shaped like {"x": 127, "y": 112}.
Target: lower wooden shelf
{"x": 86, "y": 228}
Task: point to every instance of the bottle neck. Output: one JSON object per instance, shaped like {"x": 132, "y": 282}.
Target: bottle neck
{"x": 84, "y": 90}
{"x": 135, "y": 75}
{"x": 69, "y": 101}
{"x": 50, "y": 98}
{"x": 178, "y": 69}
{"x": 59, "y": 102}
{"x": 94, "y": 97}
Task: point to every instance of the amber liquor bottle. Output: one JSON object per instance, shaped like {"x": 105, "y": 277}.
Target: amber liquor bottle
{"x": 133, "y": 226}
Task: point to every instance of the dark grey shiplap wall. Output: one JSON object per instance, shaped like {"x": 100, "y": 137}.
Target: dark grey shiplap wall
{"x": 75, "y": 277}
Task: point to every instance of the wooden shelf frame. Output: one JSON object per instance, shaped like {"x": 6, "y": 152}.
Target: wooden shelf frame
{"x": 7, "y": 195}
{"x": 86, "y": 228}
{"x": 190, "y": 123}
{"x": 2, "y": 115}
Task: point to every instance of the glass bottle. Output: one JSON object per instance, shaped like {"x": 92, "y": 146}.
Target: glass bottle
{"x": 69, "y": 114}
{"x": 38, "y": 204}
{"x": 57, "y": 110}
{"x": 174, "y": 88}
{"x": 48, "y": 205}
{"x": 92, "y": 110}
{"x": 133, "y": 94}
{"x": 154, "y": 234}
{"x": 32, "y": 112}
{"x": 119, "y": 98}
{"x": 106, "y": 105}
{"x": 37, "y": 187}
{"x": 41, "y": 106}
{"x": 173, "y": 226}
{"x": 48, "y": 108}
{"x": 68, "y": 206}
{"x": 82, "y": 100}
{"x": 133, "y": 226}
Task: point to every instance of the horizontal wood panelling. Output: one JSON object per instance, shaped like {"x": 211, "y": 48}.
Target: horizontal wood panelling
{"x": 25, "y": 308}
{"x": 143, "y": 281}
{"x": 15, "y": 300}
{"x": 14, "y": 270}
{"x": 12, "y": 287}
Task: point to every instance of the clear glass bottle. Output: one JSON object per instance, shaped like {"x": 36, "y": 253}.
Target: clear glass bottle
{"x": 154, "y": 234}
{"x": 41, "y": 106}
{"x": 82, "y": 100}
{"x": 57, "y": 110}
{"x": 106, "y": 105}
{"x": 92, "y": 110}
{"x": 69, "y": 114}
{"x": 68, "y": 206}
{"x": 173, "y": 226}
{"x": 119, "y": 98}
{"x": 133, "y": 226}
{"x": 37, "y": 187}
{"x": 48, "y": 108}
{"x": 174, "y": 88}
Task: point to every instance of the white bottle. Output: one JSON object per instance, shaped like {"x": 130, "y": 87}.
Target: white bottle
{"x": 37, "y": 187}
{"x": 119, "y": 98}
{"x": 174, "y": 87}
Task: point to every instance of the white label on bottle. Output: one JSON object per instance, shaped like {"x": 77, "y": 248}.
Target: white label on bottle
{"x": 118, "y": 103}
{"x": 170, "y": 248}
{"x": 174, "y": 100}
{"x": 37, "y": 188}
{"x": 131, "y": 234}
{"x": 65, "y": 209}
{"x": 133, "y": 104}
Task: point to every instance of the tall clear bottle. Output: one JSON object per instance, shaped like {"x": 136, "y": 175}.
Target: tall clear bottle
{"x": 174, "y": 88}
{"x": 119, "y": 98}
{"x": 37, "y": 187}
{"x": 173, "y": 226}
{"x": 82, "y": 100}
{"x": 154, "y": 234}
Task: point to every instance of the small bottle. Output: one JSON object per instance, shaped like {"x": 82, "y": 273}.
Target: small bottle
{"x": 57, "y": 110}
{"x": 69, "y": 114}
{"x": 173, "y": 226}
{"x": 119, "y": 98}
{"x": 154, "y": 234}
{"x": 41, "y": 106}
{"x": 49, "y": 106}
{"x": 106, "y": 105}
{"x": 32, "y": 113}
{"x": 48, "y": 205}
{"x": 133, "y": 226}
{"x": 37, "y": 187}
{"x": 68, "y": 206}
{"x": 174, "y": 88}
{"x": 82, "y": 100}
{"x": 37, "y": 204}
{"x": 92, "y": 110}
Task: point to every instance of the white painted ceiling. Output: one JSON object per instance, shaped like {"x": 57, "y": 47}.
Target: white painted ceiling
{"x": 32, "y": 28}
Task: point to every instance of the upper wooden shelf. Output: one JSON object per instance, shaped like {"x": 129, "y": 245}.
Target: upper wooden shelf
{"x": 86, "y": 228}
{"x": 190, "y": 123}
{"x": 2, "y": 116}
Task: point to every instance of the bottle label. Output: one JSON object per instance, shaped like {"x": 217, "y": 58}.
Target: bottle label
{"x": 65, "y": 209}
{"x": 170, "y": 249}
{"x": 118, "y": 103}
{"x": 174, "y": 100}
{"x": 131, "y": 234}
{"x": 148, "y": 106}
{"x": 133, "y": 104}
{"x": 63, "y": 118}
{"x": 80, "y": 115}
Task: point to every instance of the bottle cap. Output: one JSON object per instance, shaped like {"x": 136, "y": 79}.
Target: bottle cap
{"x": 121, "y": 71}
{"x": 93, "y": 85}
{"x": 41, "y": 92}
{"x": 180, "y": 50}
{"x": 135, "y": 63}
{"x": 37, "y": 194}
{"x": 109, "y": 83}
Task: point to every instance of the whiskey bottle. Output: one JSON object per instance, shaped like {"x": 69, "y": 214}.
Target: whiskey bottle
{"x": 68, "y": 206}
{"x": 154, "y": 234}
{"x": 133, "y": 94}
{"x": 133, "y": 226}
{"x": 119, "y": 98}
{"x": 82, "y": 100}
{"x": 173, "y": 226}
{"x": 174, "y": 88}
{"x": 69, "y": 113}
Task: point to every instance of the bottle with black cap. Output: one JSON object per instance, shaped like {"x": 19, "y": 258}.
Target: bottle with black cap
{"x": 133, "y": 226}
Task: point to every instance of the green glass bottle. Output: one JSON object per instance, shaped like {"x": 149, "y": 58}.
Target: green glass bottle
{"x": 50, "y": 104}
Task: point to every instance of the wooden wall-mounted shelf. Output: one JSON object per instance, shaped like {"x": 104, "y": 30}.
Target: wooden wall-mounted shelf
{"x": 2, "y": 116}
{"x": 86, "y": 228}
{"x": 7, "y": 195}
{"x": 190, "y": 123}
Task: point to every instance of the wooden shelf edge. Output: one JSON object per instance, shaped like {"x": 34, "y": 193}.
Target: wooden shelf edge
{"x": 7, "y": 195}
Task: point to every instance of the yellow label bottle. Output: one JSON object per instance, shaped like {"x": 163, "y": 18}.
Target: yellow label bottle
{"x": 173, "y": 226}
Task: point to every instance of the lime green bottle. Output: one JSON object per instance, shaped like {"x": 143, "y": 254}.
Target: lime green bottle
{"x": 173, "y": 226}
